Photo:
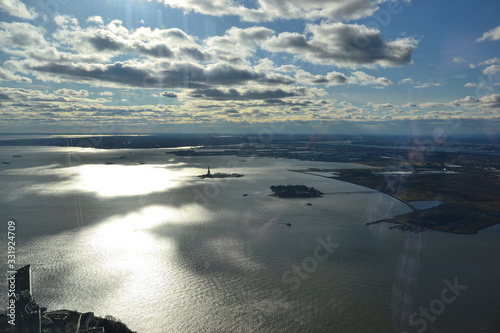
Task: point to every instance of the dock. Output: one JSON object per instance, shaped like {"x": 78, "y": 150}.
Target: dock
{"x": 378, "y": 221}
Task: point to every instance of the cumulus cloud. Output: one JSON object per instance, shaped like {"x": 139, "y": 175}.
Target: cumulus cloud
{"x": 268, "y": 10}
{"x": 491, "y": 70}
{"x": 432, "y": 105}
{"x": 18, "y": 9}
{"x": 379, "y": 106}
{"x": 468, "y": 101}
{"x": 491, "y": 101}
{"x": 71, "y": 92}
{"x": 170, "y": 58}
{"x": 169, "y": 94}
{"x": 256, "y": 93}
{"x": 458, "y": 60}
{"x": 147, "y": 75}
{"x": 343, "y": 45}
{"x": 20, "y": 35}
{"x": 114, "y": 39}
{"x": 336, "y": 79}
{"x": 490, "y": 62}
{"x": 237, "y": 43}
{"x": 43, "y": 99}
{"x": 407, "y": 81}
{"x": 493, "y": 34}
{"x": 473, "y": 85}
{"x": 330, "y": 79}
{"x": 220, "y": 68}
{"x": 364, "y": 79}
{"x": 428, "y": 84}
{"x": 486, "y": 62}
{"x": 6, "y": 75}
{"x": 96, "y": 19}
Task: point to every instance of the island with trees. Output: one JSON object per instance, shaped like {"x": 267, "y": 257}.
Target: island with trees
{"x": 295, "y": 191}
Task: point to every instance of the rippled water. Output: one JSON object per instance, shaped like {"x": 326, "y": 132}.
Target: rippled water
{"x": 165, "y": 251}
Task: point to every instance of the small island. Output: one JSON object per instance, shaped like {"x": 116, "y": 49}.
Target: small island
{"x": 295, "y": 191}
{"x": 219, "y": 175}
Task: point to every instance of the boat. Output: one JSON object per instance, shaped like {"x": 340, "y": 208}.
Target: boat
{"x": 245, "y": 195}
{"x": 309, "y": 204}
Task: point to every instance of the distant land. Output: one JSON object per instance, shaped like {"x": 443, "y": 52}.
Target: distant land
{"x": 482, "y": 143}
{"x": 461, "y": 171}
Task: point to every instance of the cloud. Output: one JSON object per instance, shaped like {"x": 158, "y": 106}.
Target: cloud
{"x": 406, "y": 81}
{"x": 72, "y": 93}
{"x": 269, "y": 10}
{"x": 486, "y": 62}
{"x": 491, "y": 101}
{"x": 20, "y": 35}
{"x": 493, "y": 34}
{"x": 473, "y": 85}
{"x": 96, "y": 19}
{"x": 255, "y": 93}
{"x": 336, "y": 79}
{"x": 6, "y": 75}
{"x": 217, "y": 68}
{"x": 143, "y": 72}
{"x": 114, "y": 39}
{"x": 36, "y": 99}
{"x": 428, "y": 84}
{"x": 105, "y": 93}
{"x": 364, "y": 79}
{"x": 330, "y": 79}
{"x": 458, "y": 60}
{"x": 343, "y": 45}
{"x": 237, "y": 43}
{"x": 490, "y": 62}
{"x": 169, "y": 94}
{"x": 432, "y": 105}
{"x": 468, "y": 101}
{"x": 378, "y": 106}
{"x": 491, "y": 70}
{"x": 18, "y": 9}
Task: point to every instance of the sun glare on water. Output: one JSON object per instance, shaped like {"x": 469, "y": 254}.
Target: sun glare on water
{"x": 122, "y": 180}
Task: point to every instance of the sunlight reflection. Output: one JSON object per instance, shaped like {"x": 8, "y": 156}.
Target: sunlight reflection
{"x": 229, "y": 251}
{"x": 127, "y": 246}
{"x": 103, "y": 180}
{"x": 132, "y": 230}
{"x": 122, "y": 180}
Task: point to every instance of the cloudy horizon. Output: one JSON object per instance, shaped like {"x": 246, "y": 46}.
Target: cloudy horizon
{"x": 238, "y": 66}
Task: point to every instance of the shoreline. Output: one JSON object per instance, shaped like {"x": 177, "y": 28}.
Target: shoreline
{"x": 452, "y": 216}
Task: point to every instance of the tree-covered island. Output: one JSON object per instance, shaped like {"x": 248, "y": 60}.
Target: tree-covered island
{"x": 295, "y": 191}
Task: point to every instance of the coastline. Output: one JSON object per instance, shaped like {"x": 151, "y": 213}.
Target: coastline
{"x": 455, "y": 215}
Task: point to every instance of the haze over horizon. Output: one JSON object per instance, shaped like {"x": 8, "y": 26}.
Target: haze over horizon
{"x": 328, "y": 67}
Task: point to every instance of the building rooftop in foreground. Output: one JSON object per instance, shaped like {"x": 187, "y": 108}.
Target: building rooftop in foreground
{"x": 29, "y": 317}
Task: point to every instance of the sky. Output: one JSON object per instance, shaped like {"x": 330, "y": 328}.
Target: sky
{"x": 250, "y": 66}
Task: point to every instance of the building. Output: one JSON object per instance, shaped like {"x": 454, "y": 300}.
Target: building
{"x": 31, "y": 318}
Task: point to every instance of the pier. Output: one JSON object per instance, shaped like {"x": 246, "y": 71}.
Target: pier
{"x": 378, "y": 221}
{"x": 353, "y": 192}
